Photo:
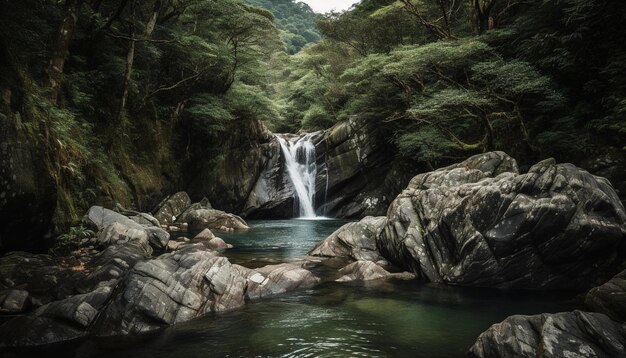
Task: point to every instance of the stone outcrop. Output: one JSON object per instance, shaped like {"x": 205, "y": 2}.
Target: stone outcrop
{"x": 354, "y": 178}
{"x": 609, "y": 298}
{"x": 114, "y": 227}
{"x": 201, "y": 219}
{"x": 28, "y": 195}
{"x": 357, "y": 240}
{"x": 171, "y": 207}
{"x": 123, "y": 289}
{"x": 569, "y": 334}
{"x": 482, "y": 223}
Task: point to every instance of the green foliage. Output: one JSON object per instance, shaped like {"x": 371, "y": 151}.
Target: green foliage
{"x": 295, "y": 20}
{"x": 69, "y": 241}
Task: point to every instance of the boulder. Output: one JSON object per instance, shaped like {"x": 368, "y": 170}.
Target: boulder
{"x": 173, "y": 288}
{"x": 482, "y": 223}
{"x": 171, "y": 207}
{"x": 117, "y": 233}
{"x": 275, "y": 279}
{"x": 145, "y": 219}
{"x": 114, "y": 226}
{"x": 569, "y": 334}
{"x": 201, "y": 219}
{"x": 208, "y": 239}
{"x": 42, "y": 276}
{"x": 14, "y": 301}
{"x": 362, "y": 271}
{"x": 609, "y": 298}
{"x": 55, "y": 322}
{"x": 102, "y": 217}
{"x": 357, "y": 240}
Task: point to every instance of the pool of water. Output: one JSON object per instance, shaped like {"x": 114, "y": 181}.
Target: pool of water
{"x": 380, "y": 319}
{"x": 277, "y": 241}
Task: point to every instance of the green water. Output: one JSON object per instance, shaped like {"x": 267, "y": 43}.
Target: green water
{"x": 384, "y": 319}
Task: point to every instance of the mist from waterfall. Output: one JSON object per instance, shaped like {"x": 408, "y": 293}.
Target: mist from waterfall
{"x": 301, "y": 166}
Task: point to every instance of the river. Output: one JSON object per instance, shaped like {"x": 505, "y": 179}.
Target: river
{"x": 380, "y": 319}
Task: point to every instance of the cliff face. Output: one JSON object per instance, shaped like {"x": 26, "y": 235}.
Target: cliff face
{"x": 356, "y": 173}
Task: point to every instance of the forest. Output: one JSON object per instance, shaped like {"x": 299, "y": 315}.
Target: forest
{"x": 119, "y": 104}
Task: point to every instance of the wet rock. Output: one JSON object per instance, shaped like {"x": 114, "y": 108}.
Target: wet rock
{"x": 362, "y": 271}
{"x": 569, "y": 334}
{"x": 228, "y": 179}
{"x": 481, "y": 223}
{"x": 355, "y": 240}
{"x": 609, "y": 298}
{"x": 201, "y": 219}
{"x": 109, "y": 266}
{"x": 208, "y": 239}
{"x": 41, "y": 275}
{"x": 14, "y": 301}
{"x": 275, "y": 279}
{"x": 173, "y": 288}
{"x": 273, "y": 193}
{"x": 171, "y": 207}
{"x": 55, "y": 322}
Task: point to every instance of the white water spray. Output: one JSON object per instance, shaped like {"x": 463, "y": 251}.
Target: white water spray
{"x": 302, "y": 169}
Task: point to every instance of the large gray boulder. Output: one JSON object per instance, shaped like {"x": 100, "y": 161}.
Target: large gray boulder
{"x": 482, "y": 223}
{"x": 357, "y": 240}
{"x": 569, "y": 334}
{"x": 113, "y": 227}
{"x": 609, "y": 298}
{"x": 171, "y": 207}
{"x": 14, "y": 301}
{"x": 55, "y": 322}
{"x": 276, "y": 279}
{"x": 201, "y": 219}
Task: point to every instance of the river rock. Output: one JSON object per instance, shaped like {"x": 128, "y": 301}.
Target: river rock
{"x": 357, "y": 240}
{"x": 117, "y": 233}
{"x": 275, "y": 279}
{"x": 201, "y": 219}
{"x": 362, "y": 271}
{"x": 55, "y": 322}
{"x": 41, "y": 276}
{"x": 207, "y": 238}
{"x": 482, "y": 223}
{"x": 569, "y": 334}
{"x": 14, "y": 301}
{"x": 609, "y": 298}
{"x": 171, "y": 207}
{"x": 114, "y": 227}
{"x": 175, "y": 287}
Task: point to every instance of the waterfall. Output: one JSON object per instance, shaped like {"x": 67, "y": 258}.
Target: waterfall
{"x": 300, "y": 162}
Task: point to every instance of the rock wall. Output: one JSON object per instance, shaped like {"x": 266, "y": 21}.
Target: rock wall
{"x": 27, "y": 192}
{"x": 355, "y": 175}
{"x": 481, "y": 223}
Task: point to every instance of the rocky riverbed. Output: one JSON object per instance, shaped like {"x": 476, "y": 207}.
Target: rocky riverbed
{"x": 479, "y": 223}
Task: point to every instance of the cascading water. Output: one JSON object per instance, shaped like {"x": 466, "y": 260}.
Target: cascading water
{"x": 302, "y": 169}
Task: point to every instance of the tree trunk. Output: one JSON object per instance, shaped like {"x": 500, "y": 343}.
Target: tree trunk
{"x": 130, "y": 55}
{"x": 482, "y": 9}
{"x": 64, "y": 37}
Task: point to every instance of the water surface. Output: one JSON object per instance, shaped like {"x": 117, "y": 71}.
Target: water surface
{"x": 382, "y": 319}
